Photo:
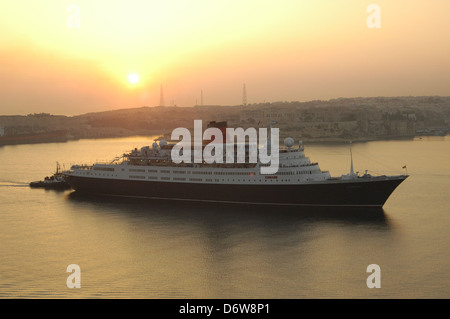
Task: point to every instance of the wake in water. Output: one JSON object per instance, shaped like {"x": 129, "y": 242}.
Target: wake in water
{"x": 13, "y": 184}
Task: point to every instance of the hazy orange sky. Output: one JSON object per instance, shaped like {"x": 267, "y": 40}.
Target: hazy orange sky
{"x": 284, "y": 50}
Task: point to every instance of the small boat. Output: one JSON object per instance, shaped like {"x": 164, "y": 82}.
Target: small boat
{"x": 56, "y": 181}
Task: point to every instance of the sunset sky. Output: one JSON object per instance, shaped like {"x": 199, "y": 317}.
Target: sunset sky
{"x": 284, "y": 50}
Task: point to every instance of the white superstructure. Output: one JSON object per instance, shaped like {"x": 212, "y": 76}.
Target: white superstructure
{"x": 155, "y": 164}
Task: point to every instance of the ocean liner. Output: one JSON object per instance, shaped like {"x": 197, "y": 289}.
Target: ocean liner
{"x": 150, "y": 172}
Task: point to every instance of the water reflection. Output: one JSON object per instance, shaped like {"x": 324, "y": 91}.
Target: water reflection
{"x": 226, "y": 214}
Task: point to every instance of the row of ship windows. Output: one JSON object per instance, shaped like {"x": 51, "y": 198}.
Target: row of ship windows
{"x": 216, "y": 173}
{"x": 167, "y": 178}
{"x": 191, "y": 179}
{"x": 141, "y": 170}
{"x": 207, "y": 179}
{"x": 107, "y": 169}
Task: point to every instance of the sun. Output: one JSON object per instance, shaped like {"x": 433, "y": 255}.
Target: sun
{"x": 133, "y": 78}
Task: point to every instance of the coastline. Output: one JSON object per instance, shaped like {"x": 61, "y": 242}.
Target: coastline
{"x": 165, "y": 135}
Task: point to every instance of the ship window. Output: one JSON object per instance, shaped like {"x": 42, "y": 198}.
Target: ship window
{"x": 206, "y": 173}
{"x": 110, "y": 169}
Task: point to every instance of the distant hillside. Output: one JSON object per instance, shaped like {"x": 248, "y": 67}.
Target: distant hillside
{"x": 331, "y": 120}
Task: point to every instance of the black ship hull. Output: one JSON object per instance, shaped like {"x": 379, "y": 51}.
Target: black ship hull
{"x": 360, "y": 192}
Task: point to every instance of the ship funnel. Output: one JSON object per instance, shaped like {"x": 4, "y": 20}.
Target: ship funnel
{"x": 222, "y": 126}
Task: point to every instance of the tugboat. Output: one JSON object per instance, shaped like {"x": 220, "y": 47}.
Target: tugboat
{"x": 56, "y": 181}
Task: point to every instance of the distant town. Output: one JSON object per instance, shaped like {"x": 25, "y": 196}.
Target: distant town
{"x": 336, "y": 120}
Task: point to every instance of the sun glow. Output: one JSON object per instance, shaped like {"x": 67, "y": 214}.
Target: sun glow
{"x": 109, "y": 54}
{"x": 133, "y": 78}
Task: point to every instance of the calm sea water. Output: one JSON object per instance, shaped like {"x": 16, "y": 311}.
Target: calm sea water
{"x": 134, "y": 248}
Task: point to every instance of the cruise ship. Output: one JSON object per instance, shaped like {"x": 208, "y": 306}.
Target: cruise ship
{"x": 150, "y": 172}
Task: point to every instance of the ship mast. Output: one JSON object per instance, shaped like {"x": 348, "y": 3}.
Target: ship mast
{"x": 351, "y": 160}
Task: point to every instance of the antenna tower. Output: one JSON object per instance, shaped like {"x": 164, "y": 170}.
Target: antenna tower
{"x": 244, "y": 96}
